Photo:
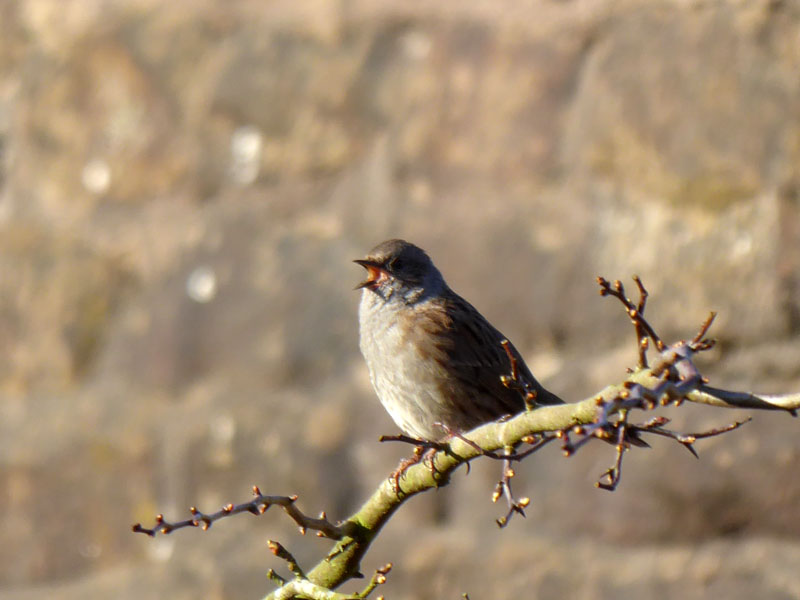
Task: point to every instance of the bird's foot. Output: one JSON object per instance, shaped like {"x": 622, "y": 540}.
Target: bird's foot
{"x": 423, "y": 450}
{"x": 404, "y": 465}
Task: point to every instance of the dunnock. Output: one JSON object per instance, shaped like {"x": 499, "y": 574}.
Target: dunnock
{"x": 432, "y": 357}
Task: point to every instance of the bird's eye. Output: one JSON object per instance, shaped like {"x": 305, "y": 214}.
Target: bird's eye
{"x": 396, "y": 264}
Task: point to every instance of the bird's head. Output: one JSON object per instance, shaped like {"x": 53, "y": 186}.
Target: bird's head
{"x": 399, "y": 267}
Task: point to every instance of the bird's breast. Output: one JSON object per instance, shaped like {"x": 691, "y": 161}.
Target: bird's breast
{"x": 406, "y": 381}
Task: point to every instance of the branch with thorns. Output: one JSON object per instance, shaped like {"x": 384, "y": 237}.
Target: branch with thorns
{"x": 257, "y": 506}
{"x": 677, "y": 378}
{"x": 672, "y": 378}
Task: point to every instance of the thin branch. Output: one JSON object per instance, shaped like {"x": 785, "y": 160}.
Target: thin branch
{"x": 635, "y": 313}
{"x": 514, "y": 382}
{"x": 686, "y": 439}
{"x": 407, "y": 439}
{"x": 503, "y": 488}
{"x": 698, "y": 339}
{"x": 614, "y": 473}
{"x": 257, "y": 506}
{"x": 278, "y": 550}
{"x": 705, "y": 394}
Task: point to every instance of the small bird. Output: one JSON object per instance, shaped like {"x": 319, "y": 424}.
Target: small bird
{"x": 435, "y": 362}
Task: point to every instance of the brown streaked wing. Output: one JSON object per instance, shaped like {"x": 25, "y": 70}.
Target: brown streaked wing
{"x": 481, "y": 359}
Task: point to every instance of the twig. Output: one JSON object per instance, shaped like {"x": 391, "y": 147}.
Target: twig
{"x": 278, "y": 550}
{"x": 503, "y": 487}
{"x": 614, "y": 473}
{"x": 636, "y": 314}
{"x": 712, "y": 396}
{"x": 514, "y": 382}
{"x": 257, "y": 506}
{"x": 686, "y": 439}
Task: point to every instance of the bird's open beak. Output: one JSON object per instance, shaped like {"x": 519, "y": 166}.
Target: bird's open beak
{"x": 376, "y": 274}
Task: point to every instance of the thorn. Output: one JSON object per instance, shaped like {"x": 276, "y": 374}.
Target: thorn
{"x": 690, "y": 448}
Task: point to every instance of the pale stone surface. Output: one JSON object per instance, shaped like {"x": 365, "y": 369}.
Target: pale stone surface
{"x": 183, "y": 186}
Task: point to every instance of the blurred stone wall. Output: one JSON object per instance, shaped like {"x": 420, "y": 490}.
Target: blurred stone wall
{"x": 183, "y": 186}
